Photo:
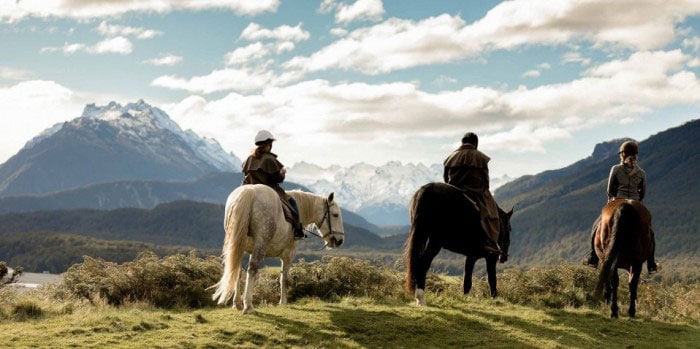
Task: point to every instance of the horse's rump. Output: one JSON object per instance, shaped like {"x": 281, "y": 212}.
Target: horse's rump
{"x": 626, "y": 225}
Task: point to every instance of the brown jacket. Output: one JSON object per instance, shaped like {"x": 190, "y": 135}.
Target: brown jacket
{"x": 467, "y": 169}
{"x": 263, "y": 170}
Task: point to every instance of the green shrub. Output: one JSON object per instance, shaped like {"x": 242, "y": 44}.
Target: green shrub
{"x": 173, "y": 281}
{"x": 27, "y": 310}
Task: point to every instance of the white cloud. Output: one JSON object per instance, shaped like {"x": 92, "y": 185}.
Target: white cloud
{"x": 247, "y": 54}
{"x": 443, "y": 80}
{"x": 355, "y": 119}
{"x": 165, "y": 60}
{"x": 119, "y": 45}
{"x": 531, "y": 74}
{"x": 360, "y": 10}
{"x": 7, "y": 73}
{"x": 401, "y": 43}
{"x": 255, "y": 32}
{"x": 86, "y": 9}
{"x": 575, "y": 57}
{"x": 236, "y": 79}
{"x": 118, "y": 30}
{"x": 544, "y": 66}
{"x": 25, "y": 115}
{"x": 694, "y": 63}
{"x": 340, "y": 32}
{"x": 692, "y": 43}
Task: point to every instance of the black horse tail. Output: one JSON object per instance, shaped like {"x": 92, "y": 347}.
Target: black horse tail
{"x": 623, "y": 220}
{"x": 415, "y": 244}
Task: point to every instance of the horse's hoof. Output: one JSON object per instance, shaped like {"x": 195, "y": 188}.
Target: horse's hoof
{"x": 248, "y": 311}
{"x": 614, "y": 316}
{"x": 420, "y": 297}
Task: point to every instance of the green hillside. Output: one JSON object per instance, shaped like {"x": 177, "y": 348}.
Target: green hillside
{"x": 555, "y": 209}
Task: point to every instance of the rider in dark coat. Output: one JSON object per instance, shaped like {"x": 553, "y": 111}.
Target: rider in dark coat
{"x": 467, "y": 169}
{"x": 262, "y": 167}
{"x": 626, "y": 181}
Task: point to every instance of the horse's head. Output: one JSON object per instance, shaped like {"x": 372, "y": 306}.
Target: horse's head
{"x": 504, "y": 235}
{"x": 331, "y": 225}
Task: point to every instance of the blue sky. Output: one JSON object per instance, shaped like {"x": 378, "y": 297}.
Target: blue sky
{"x": 341, "y": 82}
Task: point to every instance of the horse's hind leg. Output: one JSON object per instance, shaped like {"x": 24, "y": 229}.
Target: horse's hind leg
{"x": 634, "y": 283}
{"x": 491, "y": 273}
{"x": 423, "y": 265}
{"x": 468, "y": 270}
{"x": 615, "y": 282}
{"x": 237, "y": 290}
{"x": 256, "y": 259}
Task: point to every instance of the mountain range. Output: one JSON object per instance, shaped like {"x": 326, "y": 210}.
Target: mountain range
{"x": 111, "y": 143}
{"x": 381, "y": 194}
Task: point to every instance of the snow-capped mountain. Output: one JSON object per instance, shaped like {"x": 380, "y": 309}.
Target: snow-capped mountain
{"x": 379, "y": 193}
{"x": 108, "y": 143}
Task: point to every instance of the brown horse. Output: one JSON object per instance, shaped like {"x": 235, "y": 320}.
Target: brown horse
{"x": 623, "y": 241}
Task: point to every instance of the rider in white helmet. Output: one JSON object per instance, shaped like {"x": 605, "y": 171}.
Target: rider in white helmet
{"x": 262, "y": 167}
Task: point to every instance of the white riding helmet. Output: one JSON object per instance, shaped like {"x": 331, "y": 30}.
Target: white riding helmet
{"x": 263, "y": 136}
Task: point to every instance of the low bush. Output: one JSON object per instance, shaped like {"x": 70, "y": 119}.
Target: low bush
{"x": 174, "y": 281}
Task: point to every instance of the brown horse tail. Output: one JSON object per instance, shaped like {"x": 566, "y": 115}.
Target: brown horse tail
{"x": 236, "y": 224}
{"x": 415, "y": 245}
{"x": 623, "y": 219}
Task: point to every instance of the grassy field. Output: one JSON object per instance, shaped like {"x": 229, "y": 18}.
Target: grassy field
{"x": 349, "y": 323}
{"x": 338, "y": 303}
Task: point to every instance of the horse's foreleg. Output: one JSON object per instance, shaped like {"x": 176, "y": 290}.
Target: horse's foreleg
{"x": 423, "y": 265}
{"x": 633, "y": 283}
{"x": 256, "y": 259}
{"x": 286, "y": 264}
{"x": 468, "y": 270}
{"x": 615, "y": 282}
{"x": 491, "y": 273}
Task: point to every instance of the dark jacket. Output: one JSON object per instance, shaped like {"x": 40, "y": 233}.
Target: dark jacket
{"x": 263, "y": 170}
{"x": 467, "y": 168}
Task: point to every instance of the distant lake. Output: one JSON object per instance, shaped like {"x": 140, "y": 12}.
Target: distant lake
{"x": 34, "y": 280}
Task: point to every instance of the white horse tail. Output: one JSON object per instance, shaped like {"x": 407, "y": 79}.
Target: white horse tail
{"x": 236, "y": 224}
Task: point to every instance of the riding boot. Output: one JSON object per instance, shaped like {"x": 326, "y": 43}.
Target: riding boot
{"x": 592, "y": 259}
{"x": 297, "y": 227}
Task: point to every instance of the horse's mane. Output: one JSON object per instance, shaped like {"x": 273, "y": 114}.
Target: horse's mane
{"x": 306, "y": 202}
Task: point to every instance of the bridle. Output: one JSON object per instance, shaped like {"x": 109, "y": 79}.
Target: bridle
{"x": 326, "y": 219}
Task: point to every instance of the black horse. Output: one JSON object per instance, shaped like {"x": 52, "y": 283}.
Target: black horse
{"x": 443, "y": 217}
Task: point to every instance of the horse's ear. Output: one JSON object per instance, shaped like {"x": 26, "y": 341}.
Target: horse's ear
{"x": 510, "y": 212}
{"x": 330, "y": 197}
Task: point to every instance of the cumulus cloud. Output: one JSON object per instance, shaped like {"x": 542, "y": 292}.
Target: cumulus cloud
{"x": 575, "y": 57}
{"x": 255, "y": 32}
{"x": 246, "y": 54}
{"x": 692, "y": 43}
{"x": 363, "y": 117}
{"x": 118, "y": 30}
{"x": 401, "y": 43}
{"x": 237, "y": 79}
{"x": 118, "y": 45}
{"x": 165, "y": 60}
{"x": 86, "y": 9}
{"x": 360, "y": 10}
{"x": 533, "y": 73}
{"x": 7, "y": 73}
{"x": 24, "y": 107}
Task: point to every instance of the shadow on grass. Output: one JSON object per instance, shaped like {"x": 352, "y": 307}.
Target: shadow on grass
{"x": 416, "y": 329}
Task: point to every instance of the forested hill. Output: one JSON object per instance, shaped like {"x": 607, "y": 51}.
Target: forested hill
{"x": 555, "y": 209}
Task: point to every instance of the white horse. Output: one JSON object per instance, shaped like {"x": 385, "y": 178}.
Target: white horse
{"x": 254, "y": 223}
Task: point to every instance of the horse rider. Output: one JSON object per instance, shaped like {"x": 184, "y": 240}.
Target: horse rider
{"x": 262, "y": 167}
{"x": 626, "y": 181}
{"x": 467, "y": 169}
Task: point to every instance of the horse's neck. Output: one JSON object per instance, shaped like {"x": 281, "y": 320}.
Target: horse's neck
{"x": 308, "y": 204}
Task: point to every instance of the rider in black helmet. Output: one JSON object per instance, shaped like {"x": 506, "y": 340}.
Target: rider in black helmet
{"x": 628, "y": 181}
